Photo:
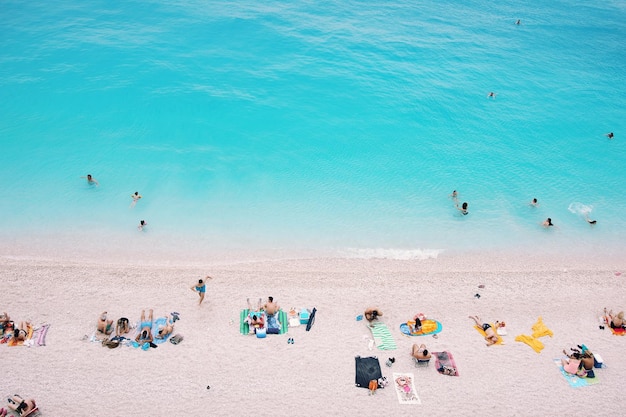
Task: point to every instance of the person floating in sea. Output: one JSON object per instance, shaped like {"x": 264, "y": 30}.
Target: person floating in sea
{"x": 463, "y": 208}
{"x": 135, "y": 198}
{"x": 518, "y": 22}
{"x": 491, "y": 95}
{"x": 547, "y": 222}
{"x": 91, "y": 180}
{"x": 142, "y": 224}
{"x": 534, "y": 203}
{"x": 609, "y": 135}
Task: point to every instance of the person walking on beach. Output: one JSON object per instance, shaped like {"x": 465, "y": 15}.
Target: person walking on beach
{"x": 200, "y": 288}
{"x": 135, "y": 198}
{"x": 91, "y": 180}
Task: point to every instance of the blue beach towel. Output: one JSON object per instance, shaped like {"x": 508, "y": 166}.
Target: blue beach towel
{"x": 161, "y": 321}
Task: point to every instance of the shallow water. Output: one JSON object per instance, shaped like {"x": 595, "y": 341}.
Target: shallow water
{"x": 338, "y": 128}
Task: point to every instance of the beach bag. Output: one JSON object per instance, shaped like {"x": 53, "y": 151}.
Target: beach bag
{"x": 176, "y": 339}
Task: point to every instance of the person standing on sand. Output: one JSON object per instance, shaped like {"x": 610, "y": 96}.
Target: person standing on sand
{"x": 200, "y": 288}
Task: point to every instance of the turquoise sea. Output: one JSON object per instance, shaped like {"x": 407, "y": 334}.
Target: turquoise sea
{"x": 306, "y": 128}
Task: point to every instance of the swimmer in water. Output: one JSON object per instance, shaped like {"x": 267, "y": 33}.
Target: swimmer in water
{"x": 91, "y": 180}
{"x": 463, "y": 208}
{"x": 533, "y": 203}
{"x": 519, "y": 22}
{"x": 591, "y": 222}
{"x": 142, "y": 224}
{"x": 491, "y": 95}
{"x": 135, "y": 198}
{"x": 548, "y": 222}
{"x": 609, "y": 135}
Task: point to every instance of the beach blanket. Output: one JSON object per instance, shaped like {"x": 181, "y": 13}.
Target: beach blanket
{"x": 405, "y": 388}
{"x": 620, "y": 331}
{"x": 367, "y": 369}
{"x": 382, "y": 336}
{"x": 38, "y": 337}
{"x": 278, "y": 321}
{"x": 573, "y": 380}
{"x": 444, "y": 362}
{"x": 428, "y": 327}
{"x": 482, "y": 332}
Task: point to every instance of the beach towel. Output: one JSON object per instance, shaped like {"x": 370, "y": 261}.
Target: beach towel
{"x": 573, "y": 380}
{"x": 540, "y": 329}
{"x": 530, "y": 341}
{"x": 382, "y": 336}
{"x": 405, "y": 388}
{"x": 619, "y": 331}
{"x": 482, "y": 332}
{"x": 367, "y": 369}
{"x": 444, "y": 362}
{"x": 428, "y": 327}
{"x": 38, "y": 337}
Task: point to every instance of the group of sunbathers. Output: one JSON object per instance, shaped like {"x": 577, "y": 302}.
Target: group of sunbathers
{"x": 144, "y": 333}
{"x": 256, "y": 319}
{"x": 579, "y": 362}
{"x": 12, "y": 334}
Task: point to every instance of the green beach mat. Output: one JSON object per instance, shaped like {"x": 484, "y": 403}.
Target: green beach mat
{"x": 382, "y": 336}
{"x": 244, "y": 328}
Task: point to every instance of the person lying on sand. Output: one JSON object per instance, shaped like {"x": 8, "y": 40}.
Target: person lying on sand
{"x": 490, "y": 335}
{"x": 616, "y": 322}
{"x": 145, "y": 328}
{"x": 21, "y": 406}
{"x": 165, "y": 329}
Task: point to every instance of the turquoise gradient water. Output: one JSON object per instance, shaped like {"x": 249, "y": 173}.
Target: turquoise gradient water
{"x": 337, "y": 127}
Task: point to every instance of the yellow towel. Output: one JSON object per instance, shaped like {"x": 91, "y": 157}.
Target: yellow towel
{"x": 540, "y": 329}
{"x": 481, "y": 331}
{"x": 530, "y": 341}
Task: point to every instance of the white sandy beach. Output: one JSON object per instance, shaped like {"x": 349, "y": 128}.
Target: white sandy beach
{"x": 314, "y": 376}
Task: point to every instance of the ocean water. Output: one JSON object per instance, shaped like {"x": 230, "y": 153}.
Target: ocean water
{"x": 311, "y": 128}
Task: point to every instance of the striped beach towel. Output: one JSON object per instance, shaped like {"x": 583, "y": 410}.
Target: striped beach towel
{"x": 382, "y": 336}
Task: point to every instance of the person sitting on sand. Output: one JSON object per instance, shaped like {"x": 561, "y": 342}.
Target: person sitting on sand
{"x": 145, "y": 328}
{"x": 21, "y": 406}
{"x": 616, "y": 322}
{"x": 372, "y": 313}
{"x": 5, "y": 322}
{"x": 122, "y": 326}
{"x": 166, "y": 329}
{"x": 586, "y": 359}
{"x": 105, "y": 326}
{"x": 420, "y": 352}
{"x": 490, "y": 335}
{"x": 270, "y": 307}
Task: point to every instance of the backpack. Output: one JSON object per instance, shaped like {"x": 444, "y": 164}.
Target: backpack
{"x": 176, "y": 339}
